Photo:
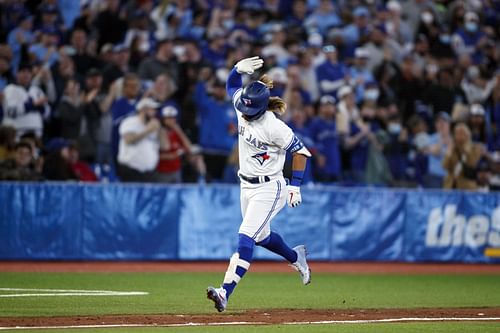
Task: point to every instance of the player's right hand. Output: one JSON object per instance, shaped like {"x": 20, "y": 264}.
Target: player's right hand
{"x": 249, "y": 65}
{"x": 294, "y": 198}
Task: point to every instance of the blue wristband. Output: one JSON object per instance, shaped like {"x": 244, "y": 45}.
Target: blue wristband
{"x": 297, "y": 176}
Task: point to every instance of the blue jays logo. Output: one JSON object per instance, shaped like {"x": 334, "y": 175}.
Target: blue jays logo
{"x": 246, "y": 101}
{"x": 261, "y": 157}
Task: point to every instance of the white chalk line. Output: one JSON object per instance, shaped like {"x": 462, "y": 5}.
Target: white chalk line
{"x": 67, "y": 292}
{"x": 323, "y": 322}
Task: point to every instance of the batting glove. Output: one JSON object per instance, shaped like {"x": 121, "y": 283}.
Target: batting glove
{"x": 294, "y": 198}
{"x": 249, "y": 65}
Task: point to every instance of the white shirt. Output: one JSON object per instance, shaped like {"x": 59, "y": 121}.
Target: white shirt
{"x": 142, "y": 155}
{"x": 15, "y": 113}
{"x": 262, "y": 143}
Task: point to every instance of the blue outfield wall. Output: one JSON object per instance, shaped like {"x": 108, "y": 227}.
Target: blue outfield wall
{"x": 63, "y": 221}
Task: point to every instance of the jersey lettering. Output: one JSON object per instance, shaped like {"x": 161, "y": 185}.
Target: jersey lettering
{"x": 256, "y": 143}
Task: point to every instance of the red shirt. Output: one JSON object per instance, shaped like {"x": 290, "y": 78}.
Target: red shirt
{"x": 175, "y": 146}
{"x": 83, "y": 171}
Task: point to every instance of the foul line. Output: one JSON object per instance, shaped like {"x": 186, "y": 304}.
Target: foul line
{"x": 367, "y": 321}
{"x": 68, "y": 292}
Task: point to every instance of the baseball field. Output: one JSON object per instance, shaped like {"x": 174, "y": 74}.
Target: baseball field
{"x": 343, "y": 297}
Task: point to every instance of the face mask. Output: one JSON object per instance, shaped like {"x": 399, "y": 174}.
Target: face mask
{"x": 371, "y": 94}
{"x": 471, "y": 26}
{"x": 445, "y": 39}
{"x": 427, "y": 17}
{"x": 394, "y": 128}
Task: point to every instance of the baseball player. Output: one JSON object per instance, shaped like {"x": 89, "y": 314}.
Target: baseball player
{"x": 263, "y": 141}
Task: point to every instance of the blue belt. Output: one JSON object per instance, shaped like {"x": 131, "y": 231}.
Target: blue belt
{"x": 255, "y": 180}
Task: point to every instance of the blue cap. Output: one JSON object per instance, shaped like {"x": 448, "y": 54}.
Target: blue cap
{"x": 253, "y": 99}
{"x": 56, "y": 144}
{"x": 361, "y": 11}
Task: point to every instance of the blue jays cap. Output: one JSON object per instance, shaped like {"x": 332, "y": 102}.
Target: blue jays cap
{"x": 253, "y": 99}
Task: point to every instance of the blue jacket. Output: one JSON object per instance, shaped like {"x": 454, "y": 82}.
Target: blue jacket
{"x": 218, "y": 123}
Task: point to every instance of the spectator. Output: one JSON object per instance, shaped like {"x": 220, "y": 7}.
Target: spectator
{"x": 118, "y": 67}
{"x": 360, "y": 74}
{"x": 174, "y": 144}
{"x": 110, "y": 24}
{"x": 218, "y": 126}
{"x": 323, "y": 130}
{"x": 331, "y": 74}
{"x": 347, "y": 110}
{"x": 138, "y": 153}
{"x": 323, "y": 18}
{"x": 469, "y": 39}
{"x": 7, "y": 142}
{"x": 439, "y": 144}
{"x": 397, "y": 148}
{"x": 46, "y": 51}
{"x": 163, "y": 62}
{"x": 444, "y": 94}
{"x": 70, "y": 111}
{"x": 479, "y": 127}
{"x": 82, "y": 59}
{"x": 354, "y": 33}
{"x": 56, "y": 165}
{"x": 461, "y": 160}
{"x": 123, "y": 107}
{"x": 80, "y": 168}
{"x": 299, "y": 123}
{"x": 25, "y": 105}
{"x": 21, "y": 167}
{"x": 20, "y": 38}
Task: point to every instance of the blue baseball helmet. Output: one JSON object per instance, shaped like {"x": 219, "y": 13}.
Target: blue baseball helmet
{"x": 253, "y": 99}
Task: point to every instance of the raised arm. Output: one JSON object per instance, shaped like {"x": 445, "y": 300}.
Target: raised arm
{"x": 248, "y": 66}
{"x": 234, "y": 82}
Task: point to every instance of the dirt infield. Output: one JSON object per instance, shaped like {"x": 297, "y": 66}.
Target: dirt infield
{"x": 281, "y": 316}
{"x": 260, "y": 266}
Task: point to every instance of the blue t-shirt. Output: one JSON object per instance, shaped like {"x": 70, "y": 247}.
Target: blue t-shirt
{"x": 330, "y": 72}
{"x": 324, "y": 134}
{"x": 305, "y": 135}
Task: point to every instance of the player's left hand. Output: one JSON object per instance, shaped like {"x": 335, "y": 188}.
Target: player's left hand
{"x": 294, "y": 198}
{"x": 249, "y": 65}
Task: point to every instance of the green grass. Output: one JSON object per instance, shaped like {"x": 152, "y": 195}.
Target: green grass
{"x": 185, "y": 292}
{"x": 342, "y": 328}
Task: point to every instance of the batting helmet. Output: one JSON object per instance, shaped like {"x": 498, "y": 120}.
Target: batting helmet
{"x": 253, "y": 99}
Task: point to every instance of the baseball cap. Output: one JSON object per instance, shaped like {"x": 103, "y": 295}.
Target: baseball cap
{"x": 329, "y": 48}
{"x": 471, "y": 16}
{"x": 477, "y": 110}
{"x": 361, "y": 53}
{"x": 169, "y": 111}
{"x": 327, "y": 99}
{"x": 343, "y": 91}
{"x": 119, "y": 48}
{"x": 146, "y": 103}
{"x": 315, "y": 39}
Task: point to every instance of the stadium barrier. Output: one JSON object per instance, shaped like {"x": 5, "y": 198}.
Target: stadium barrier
{"x": 74, "y": 221}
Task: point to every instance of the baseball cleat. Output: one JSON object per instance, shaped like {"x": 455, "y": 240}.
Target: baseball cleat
{"x": 301, "y": 265}
{"x": 218, "y": 296}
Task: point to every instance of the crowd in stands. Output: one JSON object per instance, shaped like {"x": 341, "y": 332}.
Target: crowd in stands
{"x": 387, "y": 93}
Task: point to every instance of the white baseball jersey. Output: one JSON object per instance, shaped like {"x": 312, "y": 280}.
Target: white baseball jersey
{"x": 15, "y": 112}
{"x": 262, "y": 144}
